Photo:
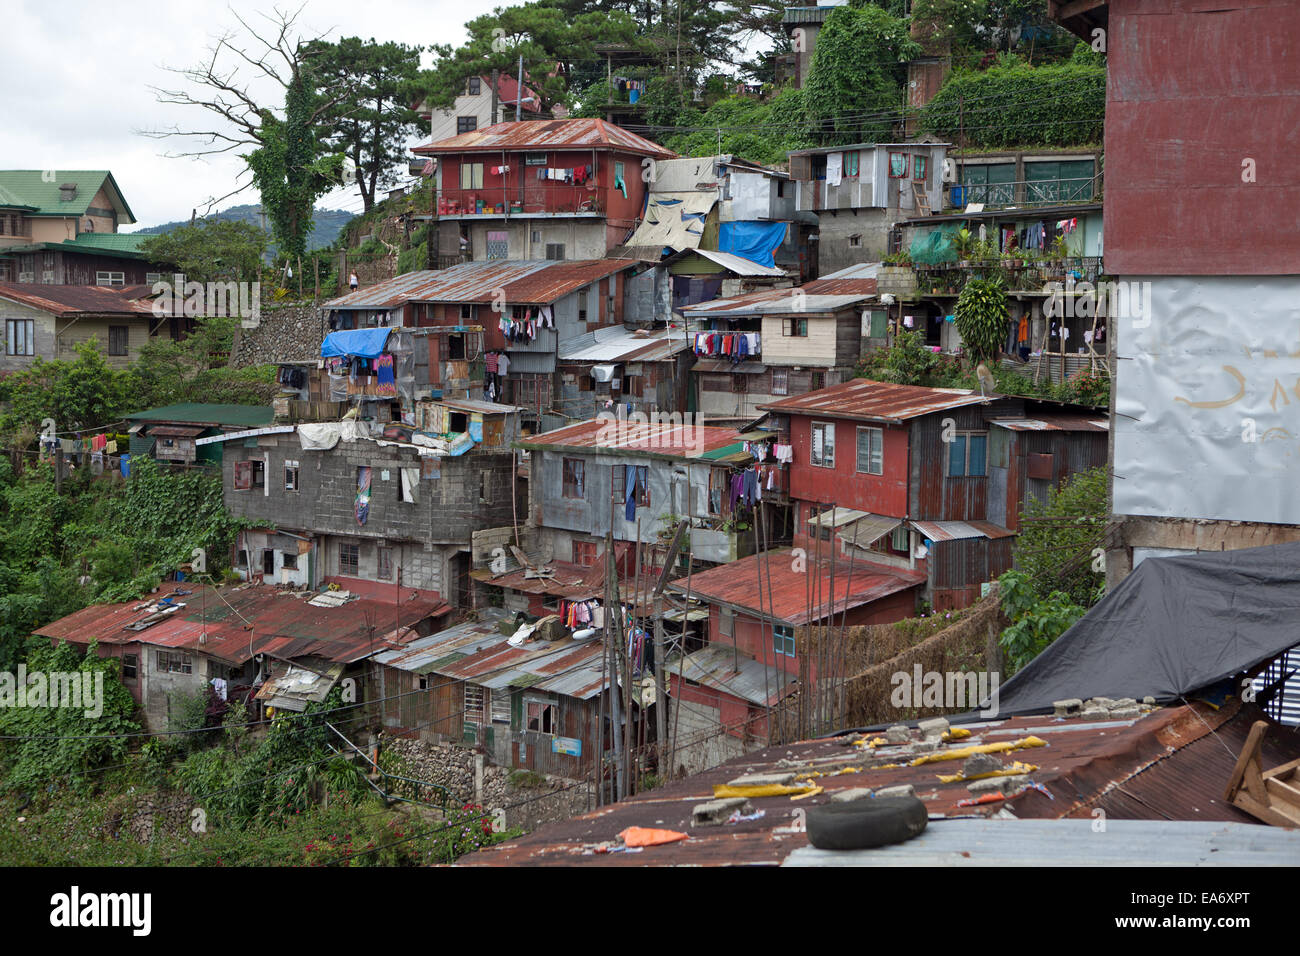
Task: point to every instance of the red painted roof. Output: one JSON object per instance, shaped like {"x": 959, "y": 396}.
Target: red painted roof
{"x": 215, "y": 622}
{"x": 864, "y": 400}
{"x": 790, "y": 588}
{"x": 584, "y": 134}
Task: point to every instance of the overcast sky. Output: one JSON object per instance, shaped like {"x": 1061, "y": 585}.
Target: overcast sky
{"x": 77, "y": 77}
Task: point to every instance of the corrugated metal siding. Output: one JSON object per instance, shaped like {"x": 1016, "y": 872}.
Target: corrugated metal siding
{"x": 935, "y": 496}
{"x": 958, "y": 568}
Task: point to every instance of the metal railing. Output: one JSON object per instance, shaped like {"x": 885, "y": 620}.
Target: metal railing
{"x": 1026, "y": 192}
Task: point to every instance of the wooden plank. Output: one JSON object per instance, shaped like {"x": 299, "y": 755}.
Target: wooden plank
{"x": 1248, "y": 753}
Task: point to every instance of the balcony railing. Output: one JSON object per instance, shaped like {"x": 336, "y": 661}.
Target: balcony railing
{"x": 1025, "y": 192}
{"x": 1018, "y": 273}
{"x": 541, "y": 197}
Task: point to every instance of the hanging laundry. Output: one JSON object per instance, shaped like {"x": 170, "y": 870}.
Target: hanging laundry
{"x": 387, "y": 384}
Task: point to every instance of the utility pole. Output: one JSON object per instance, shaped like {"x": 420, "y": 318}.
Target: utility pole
{"x": 519, "y": 90}
{"x": 496, "y": 82}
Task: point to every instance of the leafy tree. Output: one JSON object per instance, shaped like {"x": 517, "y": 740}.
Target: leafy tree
{"x": 982, "y": 317}
{"x": 1036, "y": 621}
{"x": 855, "y": 83}
{"x": 211, "y": 250}
{"x": 374, "y": 122}
{"x": 84, "y": 393}
{"x": 1055, "y": 546}
{"x": 762, "y": 131}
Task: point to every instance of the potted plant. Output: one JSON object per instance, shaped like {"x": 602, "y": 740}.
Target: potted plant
{"x": 963, "y": 239}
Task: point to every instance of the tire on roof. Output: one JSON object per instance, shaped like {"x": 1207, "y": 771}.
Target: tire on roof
{"x": 862, "y": 824}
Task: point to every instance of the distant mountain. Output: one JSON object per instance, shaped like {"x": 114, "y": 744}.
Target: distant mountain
{"x": 328, "y": 223}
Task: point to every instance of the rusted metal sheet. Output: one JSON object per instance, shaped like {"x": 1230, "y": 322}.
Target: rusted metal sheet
{"x": 74, "y": 299}
{"x": 584, "y": 134}
{"x": 238, "y": 623}
{"x": 938, "y": 531}
{"x": 518, "y": 282}
{"x": 682, "y": 441}
{"x": 1193, "y": 92}
{"x": 788, "y": 588}
{"x": 1170, "y": 759}
{"x": 861, "y": 399}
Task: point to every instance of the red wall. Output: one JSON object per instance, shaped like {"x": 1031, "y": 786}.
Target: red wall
{"x": 1195, "y": 87}
{"x": 544, "y": 195}
{"x": 880, "y": 494}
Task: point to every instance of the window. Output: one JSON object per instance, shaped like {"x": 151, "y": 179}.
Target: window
{"x": 899, "y": 540}
{"x": 855, "y": 240}
{"x": 350, "y": 559}
{"x": 851, "y": 163}
{"x": 780, "y": 189}
{"x": 385, "y": 572}
{"x": 871, "y": 451}
{"x": 110, "y": 278}
{"x": 817, "y": 380}
{"x": 573, "y": 485}
{"x": 151, "y": 277}
{"x": 719, "y": 488}
{"x": 555, "y": 250}
{"x": 783, "y": 640}
{"x": 117, "y": 339}
{"x": 290, "y": 476}
{"x": 174, "y": 662}
{"x": 501, "y": 705}
{"x": 243, "y": 475}
{"x": 620, "y": 475}
{"x": 618, "y": 175}
{"x": 540, "y": 717}
{"x": 897, "y": 165}
{"x": 582, "y": 305}
{"x": 967, "y": 455}
{"x": 780, "y": 381}
{"x": 498, "y": 245}
{"x": 130, "y": 666}
{"x": 794, "y": 327}
{"x": 584, "y": 553}
{"x": 918, "y": 168}
{"x": 471, "y": 174}
{"x": 20, "y": 336}
{"x": 822, "y": 452}
{"x": 534, "y": 159}
{"x": 475, "y": 86}
{"x": 289, "y": 560}
{"x": 474, "y": 701}
{"x": 468, "y": 313}
{"x": 467, "y": 124}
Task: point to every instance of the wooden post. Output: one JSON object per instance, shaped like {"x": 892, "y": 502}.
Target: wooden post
{"x": 315, "y": 271}
{"x": 661, "y": 697}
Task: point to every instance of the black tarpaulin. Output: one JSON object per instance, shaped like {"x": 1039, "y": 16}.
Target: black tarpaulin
{"x": 1174, "y": 625}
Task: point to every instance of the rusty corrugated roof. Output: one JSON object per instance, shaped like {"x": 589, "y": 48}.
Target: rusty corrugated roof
{"x": 520, "y": 282}
{"x": 1171, "y": 764}
{"x": 70, "y": 299}
{"x": 216, "y": 622}
{"x": 956, "y": 530}
{"x": 584, "y": 134}
{"x": 796, "y": 592}
{"x": 1054, "y": 423}
{"x": 861, "y": 399}
{"x": 620, "y": 437}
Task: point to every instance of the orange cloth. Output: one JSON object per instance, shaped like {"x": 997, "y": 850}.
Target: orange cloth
{"x": 1023, "y": 335}
{"x": 647, "y": 836}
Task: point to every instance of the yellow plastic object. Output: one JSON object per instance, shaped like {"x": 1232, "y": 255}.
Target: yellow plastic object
{"x": 1011, "y": 770}
{"x": 961, "y": 753}
{"x": 810, "y": 793}
{"x": 956, "y": 733}
{"x": 767, "y": 790}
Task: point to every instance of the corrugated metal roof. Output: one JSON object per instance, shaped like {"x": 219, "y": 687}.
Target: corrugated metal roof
{"x": 478, "y": 406}
{"x": 720, "y": 668}
{"x": 792, "y": 594}
{"x": 619, "y": 436}
{"x": 747, "y": 367}
{"x": 521, "y": 282}
{"x": 421, "y": 655}
{"x": 1143, "y": 843}
{"x": 821, "y": 295}
{"x": 34, "y": 188}
{"x": 566, "y": 667}
{"x": 565, "y": 580}
{"x": 859, "y": 270}
{"x": 177, "y": 431}
{"x": 861, "y": 399}
{"x": 1053, "y": 423}
{"x": 956, "y": 530}
{"x": 740, "y": 265}
{"x": 584, "y": 134}
{"x": 69, "y": 299}
{"x": 1083, "y": 766}
{"x": 619, "y": 344}
{"x": 237, "y": 623}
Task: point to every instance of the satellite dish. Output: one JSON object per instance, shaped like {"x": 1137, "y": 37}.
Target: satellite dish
{"x": 349, "y": 176}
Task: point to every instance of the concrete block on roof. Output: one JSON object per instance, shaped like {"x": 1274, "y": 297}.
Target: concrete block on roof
{"x": 933, "y": 728}
{"x": 854, "y": 793}
{"x": 1126, "y": 713}
{"x": 762, "y": 780}
{"x": 1069, "y": 707}
{"x": 901, "y": 790}
{"x": 716, "y": 812}
{"x": 898, "y": 734}
{"x": 1006, "y": 785}
{"x": 980, "y": 763}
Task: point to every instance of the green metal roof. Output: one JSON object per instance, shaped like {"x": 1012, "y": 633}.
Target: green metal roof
{"x": 36, "y": 189}
{"x": 119, "y": 245}
{"x": 10, "y": 200}
{"x": 813, "y": 14}
{"x": 254, "y": 416}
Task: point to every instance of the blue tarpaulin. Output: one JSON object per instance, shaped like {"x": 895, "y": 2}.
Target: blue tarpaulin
{"x": 363, "y": 343}
{"x": 755, "y": 241}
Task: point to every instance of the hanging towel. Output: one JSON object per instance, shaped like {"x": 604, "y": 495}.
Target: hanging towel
{"x": 629, "y": 481}
{"x": 362, "y": 503}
